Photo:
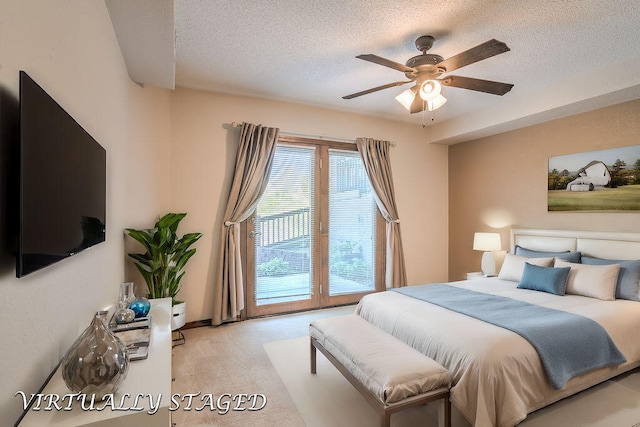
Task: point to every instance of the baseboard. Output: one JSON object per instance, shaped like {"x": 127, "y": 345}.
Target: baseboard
{"x": 197, "y": 324}
{"x": 207, "y": 322}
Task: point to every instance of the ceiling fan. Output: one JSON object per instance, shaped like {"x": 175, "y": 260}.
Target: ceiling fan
{"x": 426, "y": 71}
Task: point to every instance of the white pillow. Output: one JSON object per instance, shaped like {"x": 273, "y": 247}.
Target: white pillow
{"x": 513, "y": 266}
{"x": 595, "y": 281}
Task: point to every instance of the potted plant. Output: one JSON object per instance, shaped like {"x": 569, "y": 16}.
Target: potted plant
{"x": 165, "y": 257}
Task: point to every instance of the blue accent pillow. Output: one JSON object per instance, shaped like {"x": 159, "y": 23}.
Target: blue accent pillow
{"x": 628, "y": 285}
{"x": 565, "y": 255}
{"x": 545, "y": 279}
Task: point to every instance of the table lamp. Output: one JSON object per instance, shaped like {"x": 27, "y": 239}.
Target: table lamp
{"x": 487, "y": 242}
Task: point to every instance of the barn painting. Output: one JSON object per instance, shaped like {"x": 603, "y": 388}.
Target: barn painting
{"x": 595, "y": 174}
{"x": 605, "y": 180}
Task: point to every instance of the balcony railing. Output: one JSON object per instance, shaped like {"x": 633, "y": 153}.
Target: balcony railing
{"x": 282, "y": 227}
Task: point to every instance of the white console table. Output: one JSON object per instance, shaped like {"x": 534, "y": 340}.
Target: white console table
{"x": 149, "y": 376}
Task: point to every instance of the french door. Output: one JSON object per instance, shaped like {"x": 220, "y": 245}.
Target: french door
{"x": 316, "y": 238}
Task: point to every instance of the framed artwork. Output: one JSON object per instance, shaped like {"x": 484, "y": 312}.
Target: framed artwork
{"x": 604, "y": 180}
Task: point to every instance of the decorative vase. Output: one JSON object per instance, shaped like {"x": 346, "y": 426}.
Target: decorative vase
{"x": 97, "y": 362}
{"x": 126, "y": 295}
{"x": 140, "y": 306}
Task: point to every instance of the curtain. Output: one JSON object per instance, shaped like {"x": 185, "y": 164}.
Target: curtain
{"x": 375, "y": 156}
{"x": 253, "y": 165}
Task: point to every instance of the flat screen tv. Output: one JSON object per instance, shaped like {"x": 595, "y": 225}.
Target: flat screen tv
{"x": 62, "y": 183}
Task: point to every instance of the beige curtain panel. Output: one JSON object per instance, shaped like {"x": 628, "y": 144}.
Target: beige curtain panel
{"x": 375, "y": 156}
{"x": 253, "y": 166}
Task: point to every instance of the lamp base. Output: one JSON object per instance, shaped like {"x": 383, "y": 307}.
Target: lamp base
{"x": 488, "y": 264}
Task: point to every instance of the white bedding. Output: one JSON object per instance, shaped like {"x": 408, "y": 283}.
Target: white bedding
{"x": 497, "y": 375}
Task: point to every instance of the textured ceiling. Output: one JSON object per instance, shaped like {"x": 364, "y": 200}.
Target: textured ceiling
{"x": 566, "y": 56}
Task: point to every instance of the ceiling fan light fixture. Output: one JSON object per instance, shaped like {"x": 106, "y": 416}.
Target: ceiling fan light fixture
{"x": 406, "y": 98}
{"x": 430, "y": 90}
{"x": 436, "y": 103}
{"x": 425, "y": 72}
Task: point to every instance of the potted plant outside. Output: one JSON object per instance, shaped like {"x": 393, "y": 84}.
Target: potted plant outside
{"x": 161, "y": 266}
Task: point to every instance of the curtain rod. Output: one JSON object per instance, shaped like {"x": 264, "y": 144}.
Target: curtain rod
{"x": 352, "y": 141}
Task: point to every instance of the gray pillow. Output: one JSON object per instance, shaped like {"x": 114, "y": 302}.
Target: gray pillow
{"x": 628, "y": 286}
{"x": 565, "y": 255}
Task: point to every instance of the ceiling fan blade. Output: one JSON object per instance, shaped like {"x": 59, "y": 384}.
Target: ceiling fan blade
{"x": 375, "y": 89}
{"x": 386, "y": 62}
{"x": 486, "y": 86}
{"x": 483, "y": 51}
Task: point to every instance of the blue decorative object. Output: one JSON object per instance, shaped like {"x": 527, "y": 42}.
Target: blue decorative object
{"x": 140, "y": 306}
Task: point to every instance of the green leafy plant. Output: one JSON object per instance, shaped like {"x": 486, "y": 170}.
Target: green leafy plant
{"x": 273, "y": 267}
{"x": 355, "y": 269}
{"x": 165, "y": 257}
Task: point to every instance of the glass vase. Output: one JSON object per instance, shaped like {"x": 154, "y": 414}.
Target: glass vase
{"x": 126, "y": 295}
{"x": 97, "y": 363}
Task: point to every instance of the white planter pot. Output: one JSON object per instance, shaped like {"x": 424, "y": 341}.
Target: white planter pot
{"x": 179, "y": 316}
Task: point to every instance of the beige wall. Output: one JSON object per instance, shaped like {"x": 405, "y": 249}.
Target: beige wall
{"x": 69, "y": 48}
{"x": 203, "y": 156}
{"x": 500, "y": 182}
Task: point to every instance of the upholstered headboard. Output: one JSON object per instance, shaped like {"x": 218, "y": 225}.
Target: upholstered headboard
{"x": 599, "y": 244}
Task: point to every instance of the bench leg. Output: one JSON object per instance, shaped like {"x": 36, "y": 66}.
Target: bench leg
{"x": 313, "y": 357}
{"x": 385, "y": 420}
{"x": 444, "y": 412}
{"x": 447, "y": 411}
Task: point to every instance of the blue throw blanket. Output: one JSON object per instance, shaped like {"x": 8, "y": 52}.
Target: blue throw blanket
{"x": 568, "y": 344}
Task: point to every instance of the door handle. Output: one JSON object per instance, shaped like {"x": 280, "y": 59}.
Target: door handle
{"x": 253, "y": 234}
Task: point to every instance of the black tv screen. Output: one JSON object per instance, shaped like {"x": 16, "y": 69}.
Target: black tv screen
{"x": 62, "y": 183}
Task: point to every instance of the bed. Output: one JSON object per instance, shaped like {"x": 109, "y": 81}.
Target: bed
{"x": 498, "y": 377}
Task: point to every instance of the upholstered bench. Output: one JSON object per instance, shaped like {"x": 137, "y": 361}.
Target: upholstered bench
{"x": 390, "y": 374}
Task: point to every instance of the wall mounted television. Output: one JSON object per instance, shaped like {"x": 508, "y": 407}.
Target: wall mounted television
{"x": 62, "y": 183}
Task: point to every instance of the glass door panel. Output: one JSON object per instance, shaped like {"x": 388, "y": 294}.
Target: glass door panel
{"x": 316, "y": 238}
{"x": 352, "y": 226}
{"x": 283, "y": 230}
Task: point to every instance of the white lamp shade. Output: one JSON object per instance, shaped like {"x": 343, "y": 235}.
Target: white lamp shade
{"x": 406, "y": 98}
{"x": 430, "y": 89}
{"x": 434, "y": 104}
{"x": 487, "y": 242}
{"x": 432, "y": 96}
